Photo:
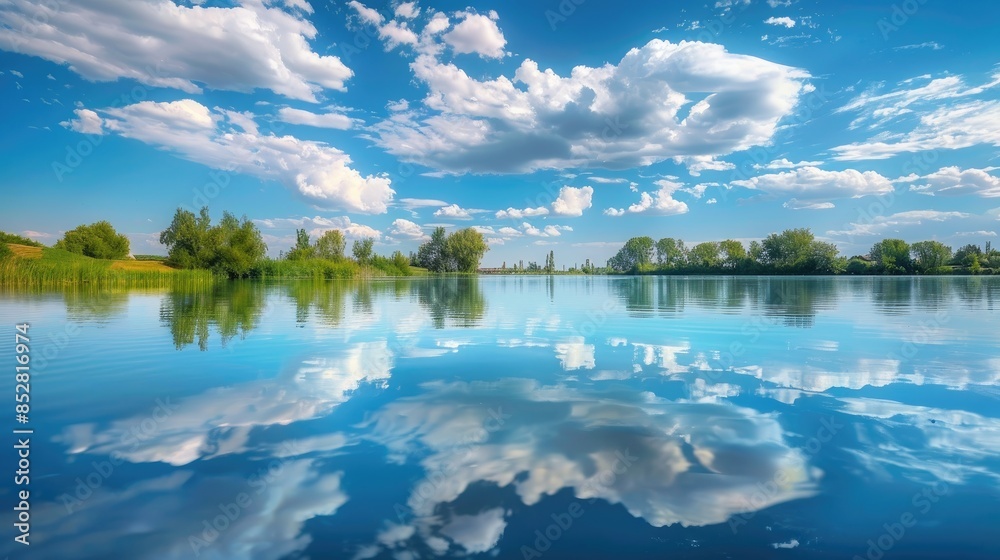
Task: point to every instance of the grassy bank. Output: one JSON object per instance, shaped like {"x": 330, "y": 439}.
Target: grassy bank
{"x": 23, "y": 266}
{"x": 31, "y": 266}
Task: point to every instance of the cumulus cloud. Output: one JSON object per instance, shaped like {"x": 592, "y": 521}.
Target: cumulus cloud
{"x": 86, "y": 122}
{"x": 782, "y": 21}
{"x": 956, "y": 181}
{"x": 660, "y": 202}
{"x": 697, "y": 164}
{"x": 316, "y": 171}
{"x": 517, "y": 214}
{"x": 324, "y": 120}
{"x": 408, "y": 10}
{"x": 547, "y": 231}
{"x": 631, "y": 114}
{"x": 478, "y": 34}
{"x": 366, "y": 14}
{"x": 408, "y": 230}
{"x": 573, "y": 201}
{"x": 454, "y": 212}
{"x": 814, "y": 183}
{"x": 251, "y": 45}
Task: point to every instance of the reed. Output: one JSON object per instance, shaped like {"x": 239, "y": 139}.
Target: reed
{"x": 25, "y": 273}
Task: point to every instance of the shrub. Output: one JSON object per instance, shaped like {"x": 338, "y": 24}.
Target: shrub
{"x": 18, "y": 239}
{"x": 98, "y": 240}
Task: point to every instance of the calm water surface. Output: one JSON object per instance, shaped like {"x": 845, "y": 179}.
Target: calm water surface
{"x": 515, "y": 417}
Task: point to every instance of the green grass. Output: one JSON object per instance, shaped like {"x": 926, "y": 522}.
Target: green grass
{"x": 23, "y": 266}
{"x": 159, "y": 258}
{"x": 56, "y": 267}
{"x": 311, "y": 268}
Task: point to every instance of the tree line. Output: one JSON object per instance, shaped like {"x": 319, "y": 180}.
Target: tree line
{"x": 235, "y": 247}
{"x": 797, "y": 251}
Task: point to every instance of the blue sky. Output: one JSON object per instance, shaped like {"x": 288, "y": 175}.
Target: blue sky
{"x": 567, "y": 126}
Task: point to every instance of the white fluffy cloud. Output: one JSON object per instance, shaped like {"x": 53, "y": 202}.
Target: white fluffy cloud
{"x": 631, "y": 114}
{"x": 408, "y": 10}
{"x": 814, "y": 183}
{"x": 86, "y": 122}
{"x": 517, "y": 214}
{"x": 453, "y": 211}
{"x": 573, "y": 201}
{"x": 163, "y": 44}
{"x": 782, "y": 21}
{"x": 366, "y": 14}
{"x": 478, "y": 34}
{"x": 956, "y": 181}
{"x": 324, "y": 120}
{"x": 408, "y": 230}
{"x": 318, "y": 172}
{"x": 547, "y": 231}
{"x": 660, "y": 202}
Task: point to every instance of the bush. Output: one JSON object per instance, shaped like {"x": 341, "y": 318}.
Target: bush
{"x": 98, "y": 240}
{"x": 5, "y": 252}
{"x": 859, "y": 266}
{"x": 18, "y": 239}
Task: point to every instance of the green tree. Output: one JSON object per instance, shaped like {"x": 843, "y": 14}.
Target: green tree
{"x": 892, "y": 256}
{"x": 431, "y": 255}
{"x": 233, "y": 247}
{"x": 670, "y": 252}
{"x": 733, "y": 254}
{"x": 974, "y": 266}
{"x": 464, "y": 249}
{"x": 857, "y": 265}
{"x": 239, "y": 246}
{"x": 756, "y": 252}
{"x": 930, "y": 256}
{"x": 824, "y": 258}
{"x": 636, "y": 254}
{"x": 705, "y": 256}
{"x": 788, "y": 251}
{"x": 401, "y": 261}
{"x": 98, "y": 240}
{"x": 362, "y": 249}
{"x": 187, "y": 239}
{"x": 965, "y": 254}
{"x": 302, "y": 249}
{"x": 331, "y": 245}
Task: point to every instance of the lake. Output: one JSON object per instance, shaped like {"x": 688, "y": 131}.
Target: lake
{"x": 513, "y": 417}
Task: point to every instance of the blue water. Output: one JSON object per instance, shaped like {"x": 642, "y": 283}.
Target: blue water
{"x": 513, "y": 417}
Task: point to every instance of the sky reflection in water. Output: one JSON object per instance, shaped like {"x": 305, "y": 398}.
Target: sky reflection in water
{"x": 680, "y": 417}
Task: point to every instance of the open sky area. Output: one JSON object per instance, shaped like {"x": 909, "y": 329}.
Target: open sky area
{"x": 568, "y": 125}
